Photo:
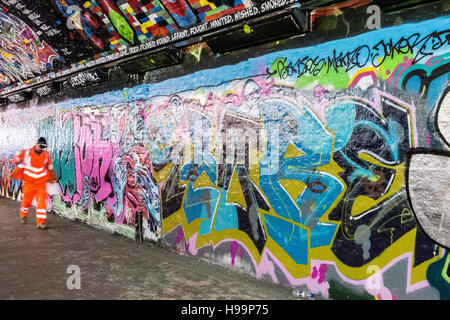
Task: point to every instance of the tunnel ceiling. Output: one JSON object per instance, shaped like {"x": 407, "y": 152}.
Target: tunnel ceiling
{"x": 41, "y": 38}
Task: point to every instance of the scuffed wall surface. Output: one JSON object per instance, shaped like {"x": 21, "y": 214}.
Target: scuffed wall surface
{"x": 292, "y": 166}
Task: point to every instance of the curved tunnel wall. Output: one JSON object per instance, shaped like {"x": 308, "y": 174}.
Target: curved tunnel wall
{"x": 296, "y": 166}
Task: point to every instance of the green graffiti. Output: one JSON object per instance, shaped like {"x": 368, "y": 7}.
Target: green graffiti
{"x": 446, "y": 270}
{"x": 58, "y": 205}
{"x": 438, "y": 276}
{"x": 338, "y": 291}
{"x": 96, "y": 218}
{"x": 391, "y": 63}
{"x": 61, "y": 149}
{"x": 65, "y": 161}
{"x": 274, "y": 68}
{"x": 122, "y": 26}
{"x": 338, "y": 80}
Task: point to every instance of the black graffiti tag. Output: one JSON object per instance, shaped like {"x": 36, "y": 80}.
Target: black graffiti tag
{"x": 420, "y": 47}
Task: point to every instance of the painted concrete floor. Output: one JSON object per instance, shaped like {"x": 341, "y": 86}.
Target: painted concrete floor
{"x": 34, "y": 265}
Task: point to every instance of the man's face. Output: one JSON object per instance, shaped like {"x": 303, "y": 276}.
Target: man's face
{"x": 40, "y": 147}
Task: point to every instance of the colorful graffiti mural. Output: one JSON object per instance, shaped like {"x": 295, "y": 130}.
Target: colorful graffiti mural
{"x": 289, "y": 171}
{"x": 39, "y": 39}
{"x": 23, "y": 54}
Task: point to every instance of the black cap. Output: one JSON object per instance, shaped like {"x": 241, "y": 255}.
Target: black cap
{"x": 42, "y": 142}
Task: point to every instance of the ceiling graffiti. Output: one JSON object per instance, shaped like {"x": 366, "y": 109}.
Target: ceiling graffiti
{"x": 42, "y": 37}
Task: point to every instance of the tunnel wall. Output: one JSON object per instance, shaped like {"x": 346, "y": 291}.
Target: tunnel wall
{"x": 302, "y": 166}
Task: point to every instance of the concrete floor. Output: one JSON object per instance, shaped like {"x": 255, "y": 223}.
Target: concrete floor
{"x": 34, "y": 264}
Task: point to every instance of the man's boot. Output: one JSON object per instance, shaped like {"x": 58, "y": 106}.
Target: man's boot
{"x": 42, "y": 225}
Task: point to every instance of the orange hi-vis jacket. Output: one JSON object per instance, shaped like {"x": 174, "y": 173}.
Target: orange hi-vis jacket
{"x": 33, "y": 167}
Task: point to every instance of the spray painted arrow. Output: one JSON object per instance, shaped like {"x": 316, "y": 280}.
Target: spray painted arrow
{"x": 390, "y": 138}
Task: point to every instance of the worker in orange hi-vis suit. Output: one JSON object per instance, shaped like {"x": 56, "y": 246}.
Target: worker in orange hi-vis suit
{"x": 35, "y": 168}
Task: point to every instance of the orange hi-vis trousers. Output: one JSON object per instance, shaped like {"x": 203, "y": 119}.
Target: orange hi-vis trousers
{"x": 30, "y": 190}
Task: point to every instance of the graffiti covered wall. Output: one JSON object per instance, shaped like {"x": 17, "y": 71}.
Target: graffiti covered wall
{"x": 296, "y": 166}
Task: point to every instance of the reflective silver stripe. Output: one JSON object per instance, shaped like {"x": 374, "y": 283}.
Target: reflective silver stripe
{"x": 31, "y": 171}
{"x": 21, "y": 165}
{"x": 31, "y": 168}
{"x": 27, "y": 164}
{"x": 41, "y": 216}
{"x": 25, "y": 209}
{"x": 50, "y": 166}
{"x": 41, "y": 210}
{"x": 33, "y": 175}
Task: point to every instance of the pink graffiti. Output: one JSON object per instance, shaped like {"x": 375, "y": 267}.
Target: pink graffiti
{"x": 394, "y": 76}
{"x": 234, "y": 246}
{"x": 266, "y": 266}
{"x": 133, "y": 189}
{"x": 180, "y": 236}
{"x": 428, "y": 137}
{"x": 319, "y": 274}
{"x": 189, "y": 246}
{"x": 93, "y": 156}
{"x": 363, "y": 75}
{"x": 320, "y": 107}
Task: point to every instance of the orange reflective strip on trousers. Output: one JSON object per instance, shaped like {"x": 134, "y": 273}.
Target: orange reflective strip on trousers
{"x": 31, "y": 189}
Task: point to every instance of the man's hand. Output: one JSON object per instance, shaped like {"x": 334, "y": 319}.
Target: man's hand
{"x": 16, "y": 160}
